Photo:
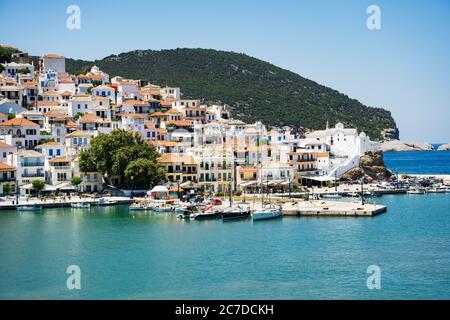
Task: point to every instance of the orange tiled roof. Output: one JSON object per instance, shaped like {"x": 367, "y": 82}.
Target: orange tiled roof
{"x": 18, "y": 122}
{"x": 6, "y": 167}
{"x": 5, "y": 145}
{"x": 79, "y": 133}
{"x": 48, "y": 103}
{"x": 50, "y": 144}
{"x": 53, "y": 56}
{"x": 176, "y": 158}
{"x": 62, "y": 159}
{"x": 181, "y": 123}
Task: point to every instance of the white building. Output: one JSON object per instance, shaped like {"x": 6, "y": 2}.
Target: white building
{"x": 20, "y": 132}
{"x": 11, "y": 69}
{"x": 6, "y": 150}
{"x": 105, "y": 91}
{"x": 29, "y": 165}
{"x": 81, "y": 104}
{"x": 54, "y": 62}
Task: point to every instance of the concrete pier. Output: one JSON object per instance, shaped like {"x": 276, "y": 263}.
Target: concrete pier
{"x": 59, "y": 202}
{"x": 325, "y": 208}
{"x": 332, "y": 208}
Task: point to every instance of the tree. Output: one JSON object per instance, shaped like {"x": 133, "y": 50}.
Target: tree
{"x": 87, "y": 162}
{"x": 76, "y": 181}
{"x": 145, "y": 173}
{"x": 6, "y": 188}
{"x": 38, "y": 185}
{"x": 23, "y": 71}
{"x": 96, "y": 83}
{"x": 112, "y": 153}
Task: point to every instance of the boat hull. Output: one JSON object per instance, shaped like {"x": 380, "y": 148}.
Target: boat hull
{"x": 29, "y": 208}
{"x": 207, "y": 216}
{"x": 235, "y": 215}
{"x": 265, "y": 215}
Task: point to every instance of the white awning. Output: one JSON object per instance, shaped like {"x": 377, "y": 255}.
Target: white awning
{"x": 319, "y": 178}
{"x": 248, "y": 183}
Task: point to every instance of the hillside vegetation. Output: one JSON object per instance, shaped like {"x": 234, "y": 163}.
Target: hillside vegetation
{"x": 255, "y": 89}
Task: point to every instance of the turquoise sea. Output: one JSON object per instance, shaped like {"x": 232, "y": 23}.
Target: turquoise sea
{"x": 160, "y": 257}
{"x": 419, "y": 162}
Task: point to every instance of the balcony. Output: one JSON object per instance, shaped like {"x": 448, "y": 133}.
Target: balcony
{"x": 32, "y": 175}
{"x": 307, "y": 170}
{"x": 294, "y": 160}
{"x": 7, "y": 179}
{"x": 61, "y": 167}
{"x": 32, "y": 164}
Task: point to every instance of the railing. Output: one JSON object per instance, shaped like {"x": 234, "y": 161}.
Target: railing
{"x": 32, "y": 164}
{"x": 7, "y": 179}
{"x": 32, "y": 175}
{"x": 61, "y": 167}
{"x": 307, "y": 169}
{"x": 302, "y": 160}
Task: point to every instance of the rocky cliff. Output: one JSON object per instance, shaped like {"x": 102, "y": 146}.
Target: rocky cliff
{"x": 444, "y": 147}
{"x": 397, "y": 145}
{"x": 372, "y": 165}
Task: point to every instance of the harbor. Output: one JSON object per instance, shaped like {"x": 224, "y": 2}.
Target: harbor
{"x": 157, "y": 256}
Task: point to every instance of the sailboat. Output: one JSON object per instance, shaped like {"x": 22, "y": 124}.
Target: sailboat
{"x": 268, "y": 212}
{"x": 235, "y": 212}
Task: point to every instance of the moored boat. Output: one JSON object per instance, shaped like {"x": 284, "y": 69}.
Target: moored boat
{"x": 264, "y": 214}
{"x": 207, "y": 215}
{"x": 416, "y": 191}
{"x": 437, "y": 190}
{"x": 235, "y": 213}
{"x": 80, "y": 205}
{"x": 353, "y": 194}
{"x": 331, "y": 196}
{"x": 29, "y": 208}
{"x": 139, "y": 206}
{"x": 106, "y": 202}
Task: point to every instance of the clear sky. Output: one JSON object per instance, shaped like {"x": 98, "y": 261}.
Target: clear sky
{"x": 404, "y": 66}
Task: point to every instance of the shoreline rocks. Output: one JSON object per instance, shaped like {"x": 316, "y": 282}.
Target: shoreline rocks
{"x": 372, "y": 165}
{"x": 397, "y": 145}
{"x": 444, "y": 147}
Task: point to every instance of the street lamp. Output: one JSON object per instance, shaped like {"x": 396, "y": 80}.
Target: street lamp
{"x": 132, "y": 195}
{"x": 335, "y": 180}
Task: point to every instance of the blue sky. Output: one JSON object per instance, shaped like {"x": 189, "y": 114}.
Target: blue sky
{"x": 404, "y": 67}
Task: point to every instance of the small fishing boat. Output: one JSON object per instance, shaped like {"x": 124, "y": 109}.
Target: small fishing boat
{"x": 331, "y": 196}
{"x": 139, "y": 206}
{"x": 269, "y": 213}
{"x": 161, "y": 208}
{"x": 437, "y": 190}
{"x": 80, "y": 205}
{"x": 369, "y": 194}
{"x": 416, "y": 191}
{"x": 29, "y": 208}
{"x": 187, "y": 212}
{"x": 235, "y": 213}
{"x": 353, "y": 194}
{"x": 106, "y": 202}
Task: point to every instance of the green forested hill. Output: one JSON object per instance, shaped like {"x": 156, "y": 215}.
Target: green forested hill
{"x": 255, "y": 89}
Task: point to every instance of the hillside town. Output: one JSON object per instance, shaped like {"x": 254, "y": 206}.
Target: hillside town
{"x": 48, "y": 116}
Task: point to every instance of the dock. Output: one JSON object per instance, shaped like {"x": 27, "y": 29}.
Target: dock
{"x": 319, "y": 208}
{"x": 332, "y": 209}
{"x": 59, "y": 203}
